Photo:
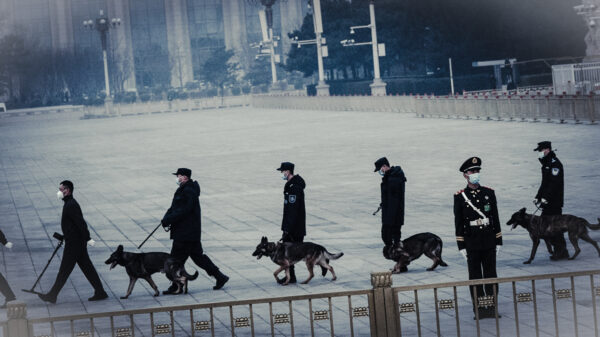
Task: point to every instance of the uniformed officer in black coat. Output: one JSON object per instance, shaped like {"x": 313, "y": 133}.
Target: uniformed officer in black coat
{"x": 293, "y": 223}
{"x": 550, "y": 195}
{"x": 393, "y": 184}
{"x": 4, "y": 287}
{"x": 77, "y": 237}
{"x": 184, "y": 222}
{"x": 478, "y": 232}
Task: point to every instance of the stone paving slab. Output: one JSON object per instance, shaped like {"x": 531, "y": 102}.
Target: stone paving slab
{"x": 121, "y": 170}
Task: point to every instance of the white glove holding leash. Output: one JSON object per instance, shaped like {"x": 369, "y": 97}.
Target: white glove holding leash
{"x": 8, "y": 245}
{"x": 464, "y": 253}
{"x": 498, "y": 249}
{"x": 91, "y": 243}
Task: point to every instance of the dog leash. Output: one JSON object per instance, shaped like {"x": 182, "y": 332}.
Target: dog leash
{"x": 533, "y": 214}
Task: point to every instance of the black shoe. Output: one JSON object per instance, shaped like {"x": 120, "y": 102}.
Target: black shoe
{"x": 47, "y": 298}
{"x": 292, "y": 280}
{"x": 557, "y": 257}
{"x": 403, "y": 269}
{"x": 221, "y": 280}
{"x": 172, "y": 290}
{"x": 98, "y": 296}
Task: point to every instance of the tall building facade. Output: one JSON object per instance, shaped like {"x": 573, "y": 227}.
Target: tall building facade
{"x": 159, "y": 42}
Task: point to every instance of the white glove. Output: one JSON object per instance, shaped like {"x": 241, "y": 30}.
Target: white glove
{"x": 8, "y": 245}
{"x": 544, "y": 201}
{"x": 498, "y": 249}
{"x": 464, "y": 253}
{"x": 91, "y": 243}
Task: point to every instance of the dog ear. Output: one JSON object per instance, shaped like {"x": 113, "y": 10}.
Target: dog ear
{"x": 264, "y": 239}
{"x": 522, "y": 210}
{"x": 120, "y": 248}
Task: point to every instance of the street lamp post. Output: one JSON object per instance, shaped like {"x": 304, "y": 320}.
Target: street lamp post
{"x": 378, "y": 86}
{"x": 102, "y": 24}
{"x": 269, "y": 14}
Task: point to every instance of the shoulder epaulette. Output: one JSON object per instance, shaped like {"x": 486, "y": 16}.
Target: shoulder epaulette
{"x": 489, "y": 188}
{"x": 459, "y": 192}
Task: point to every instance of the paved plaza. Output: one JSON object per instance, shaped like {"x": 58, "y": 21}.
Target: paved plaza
{"x": 121, "y": 169}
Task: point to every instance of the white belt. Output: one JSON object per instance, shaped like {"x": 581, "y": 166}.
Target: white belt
{"x": 480, "y": 222}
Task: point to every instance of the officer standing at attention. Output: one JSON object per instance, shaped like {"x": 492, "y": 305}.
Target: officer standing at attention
{"x": 550, "y": 195}
{"x": 293, "y": 223}
{"x": 184, "y": 222}
{"x": 393, "y": 184}
{"x": 4, "y": 287}
{"x": 478, "y": 232}
{"x": 76, "y": 236}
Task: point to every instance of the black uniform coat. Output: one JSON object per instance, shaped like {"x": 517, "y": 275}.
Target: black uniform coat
{"x": 553, "y": 185}
{"x": 184, "y": 213}
{"x": 294, "y": 211}
{"x": 392, "y": 197}
{"x": 477, "y": 237}
{"x": 73, "y": 225}
{"x": 3, "y": 240}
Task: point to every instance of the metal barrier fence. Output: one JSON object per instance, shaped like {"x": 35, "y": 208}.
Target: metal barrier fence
{"x": 534, "y": 108}
{"x": 562, "y": 304}
{"x": 130, "y": 109}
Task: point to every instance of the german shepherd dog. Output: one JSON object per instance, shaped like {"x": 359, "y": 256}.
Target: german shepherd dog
{"x": 143, "y": 265}
{"x": 286, "y": 254}
{"x": 544, "y": 227}
{"x": 412, "y": 248}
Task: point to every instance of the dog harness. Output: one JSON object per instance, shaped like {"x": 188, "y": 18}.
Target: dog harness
{"x": 479, "y": 222}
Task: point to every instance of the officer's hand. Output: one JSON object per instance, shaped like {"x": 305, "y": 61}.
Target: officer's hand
{"x": 544, "y": 201}
{"x": 536, "y": 201}
{"x": 8, "y": 245}
{"x": 91, "y": 243}
{"x": 464, "y": 253}
{"x": 498, "y": 249}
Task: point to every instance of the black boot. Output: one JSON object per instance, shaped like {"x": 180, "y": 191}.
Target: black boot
{"x": 292, "y": 275}
{"x": 221, "y": 280}
{"x": 98, "y": 296}
{"x": 47, "y": 298}
{"x": 172, "y": 289}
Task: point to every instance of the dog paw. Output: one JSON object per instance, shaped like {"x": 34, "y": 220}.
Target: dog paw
{"x": 124, "y": 297}
{"x": 527, "y": 262}
{"x": 429, "y": 269}
{"x": 333, "y": 279}
{"x": 304, "y": 282}
{"x": 572, "y": 258}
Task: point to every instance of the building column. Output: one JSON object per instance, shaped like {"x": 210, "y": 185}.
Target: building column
{"x": 178, "y": 40}
{"x": 234, "y": 26}
{"x": 121, "y": 45}
{"x": 61, "y": 25}
{"x": 291, "y": 19}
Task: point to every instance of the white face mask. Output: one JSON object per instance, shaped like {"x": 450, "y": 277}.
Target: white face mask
{"x": 60, "y": 195}
{"x": 541, "y": 155}
{"x": 474, "y": 178}
{"x": 284, "y": 177}
{"x": 381, "y": 173}
{"x": 177, "y": 181}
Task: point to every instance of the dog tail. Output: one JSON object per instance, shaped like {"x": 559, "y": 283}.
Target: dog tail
{"x": 333, "y": 256}
{"x": 190, "y": 277}
{"x": 594, "y": 227}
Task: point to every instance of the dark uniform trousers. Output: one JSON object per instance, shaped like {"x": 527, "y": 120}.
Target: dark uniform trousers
{"x": 557, "y": 241}
{"x": 5, "y": 289}
{"x": 181, "y": 250}
{"x": 287, "y": 237}
{"x": 76, "y": 253}
{"x": 482, "y": 264}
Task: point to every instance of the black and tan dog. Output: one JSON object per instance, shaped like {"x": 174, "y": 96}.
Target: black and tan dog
{"x": 544, "y": 227}
{"x": 286, "y": 254}
{"x": 143, "y": 265}
{"x": 412, "y": 248}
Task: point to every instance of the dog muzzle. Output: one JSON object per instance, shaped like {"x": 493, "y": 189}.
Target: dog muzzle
{"x": 112, "y": 265}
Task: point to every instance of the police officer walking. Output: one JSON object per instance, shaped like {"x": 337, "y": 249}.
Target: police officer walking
{"x": 392, "y": 201}
{"x": 550, "y": 195}
{"x": 4, "y": 287}
{"x": 293, "y": 223}
{"x": 77, "y": 237}
{"x": 184, "y": 222}
{"x": 478, "y": 234}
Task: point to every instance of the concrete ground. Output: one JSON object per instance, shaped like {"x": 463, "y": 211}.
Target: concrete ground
{"x": 121, "y": 168}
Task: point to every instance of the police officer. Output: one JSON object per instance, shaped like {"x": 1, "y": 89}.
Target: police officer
{"x": 77, "y": 237}
{"x": 184, "y": 222}
{"x": 478, "y": 232}
{"x": 392, "y": 201}
{"x": 4, "y": 287}
{"x": 550, "y": 195}
{"x": 293, "y": 223}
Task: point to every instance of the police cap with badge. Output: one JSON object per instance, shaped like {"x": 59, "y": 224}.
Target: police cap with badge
{"x": 286, "y": 166}
{"x": 473, "y": 163}
{"x": 543, "y": 145}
